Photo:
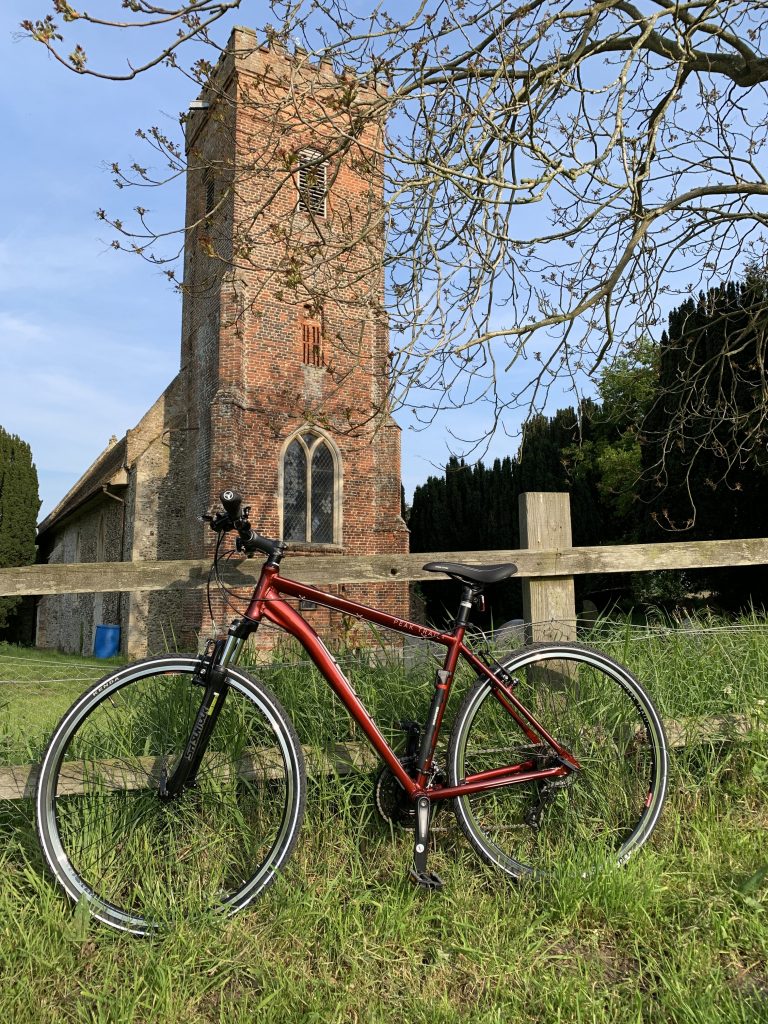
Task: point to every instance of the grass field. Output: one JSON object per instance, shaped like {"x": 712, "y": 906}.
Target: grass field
{"x": 680, "y": 934}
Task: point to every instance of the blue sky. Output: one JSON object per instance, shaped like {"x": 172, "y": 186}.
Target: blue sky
{"x": 89, "y": 337}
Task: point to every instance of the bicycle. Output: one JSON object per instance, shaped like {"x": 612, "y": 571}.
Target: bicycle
{"x": 179, "y": 781}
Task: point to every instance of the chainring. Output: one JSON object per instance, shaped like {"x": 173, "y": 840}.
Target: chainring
{"x": 392, "y": 803}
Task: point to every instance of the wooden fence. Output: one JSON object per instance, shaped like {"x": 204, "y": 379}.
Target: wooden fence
{"x": 546, "y": 564}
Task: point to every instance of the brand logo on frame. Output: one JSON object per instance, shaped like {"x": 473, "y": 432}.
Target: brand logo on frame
{"x": 410, "y": 627}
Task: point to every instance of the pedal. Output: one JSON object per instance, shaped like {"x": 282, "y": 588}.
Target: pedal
{"x": 426, "y": 879}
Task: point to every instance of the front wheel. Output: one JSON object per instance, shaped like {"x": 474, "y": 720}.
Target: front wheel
{"x": 582, "y": 821}
{"x": 139, "y": 860}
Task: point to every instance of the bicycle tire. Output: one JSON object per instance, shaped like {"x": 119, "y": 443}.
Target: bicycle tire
{"x": 597, "y": 816}
{"x": 138, "y": 861}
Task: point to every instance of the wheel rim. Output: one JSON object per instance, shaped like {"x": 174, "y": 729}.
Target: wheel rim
{"x": 577, "y": 824}
{"x": 138, "y": 860}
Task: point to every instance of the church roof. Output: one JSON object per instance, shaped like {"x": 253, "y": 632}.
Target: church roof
{"x": 109, "y": 468}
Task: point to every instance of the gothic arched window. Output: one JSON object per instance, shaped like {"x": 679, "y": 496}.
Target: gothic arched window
{"x": 310, "y": 481}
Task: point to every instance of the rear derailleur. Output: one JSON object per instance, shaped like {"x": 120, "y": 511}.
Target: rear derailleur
{"x": 546, "y": 794}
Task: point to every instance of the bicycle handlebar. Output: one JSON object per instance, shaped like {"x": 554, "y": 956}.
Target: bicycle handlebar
{"x": 248, "y": 540}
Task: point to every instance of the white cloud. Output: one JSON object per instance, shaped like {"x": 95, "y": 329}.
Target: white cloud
{"x": 15, "y": 328}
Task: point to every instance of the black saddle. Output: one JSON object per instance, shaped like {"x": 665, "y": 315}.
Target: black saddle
{"x": 473, "y": 574}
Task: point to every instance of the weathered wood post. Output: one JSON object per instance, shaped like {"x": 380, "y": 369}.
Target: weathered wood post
{"x": 549, "y": 603}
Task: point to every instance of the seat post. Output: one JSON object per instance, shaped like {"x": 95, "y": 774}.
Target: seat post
{"x": 467, "y": 599}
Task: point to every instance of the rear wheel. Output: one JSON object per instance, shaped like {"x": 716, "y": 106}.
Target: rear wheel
{"x": 136, "y": 859}
{"x": 588, "y": 819}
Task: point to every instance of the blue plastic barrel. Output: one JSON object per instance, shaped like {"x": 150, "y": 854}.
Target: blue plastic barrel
{"x": 106, "y": 643}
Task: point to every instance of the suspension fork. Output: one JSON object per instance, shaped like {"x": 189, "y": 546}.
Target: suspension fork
{"x": 211, "y": 674}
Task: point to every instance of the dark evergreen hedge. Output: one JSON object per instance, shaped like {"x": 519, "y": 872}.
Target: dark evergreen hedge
{"x": 19, "y": 505}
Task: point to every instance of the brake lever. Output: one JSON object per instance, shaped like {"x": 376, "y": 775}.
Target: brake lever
{"x": 223, "y": 522}
{"x": 218, "y": 523}
{"x": 242, "y": 523}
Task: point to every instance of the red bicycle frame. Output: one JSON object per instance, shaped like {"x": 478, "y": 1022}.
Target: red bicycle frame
{"x": 267, "y": 603}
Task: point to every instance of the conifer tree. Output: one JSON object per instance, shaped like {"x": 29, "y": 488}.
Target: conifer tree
{"x": 469, "y": 508}
{"x": 711, "y": 481}
{"x": 19, "y": 505}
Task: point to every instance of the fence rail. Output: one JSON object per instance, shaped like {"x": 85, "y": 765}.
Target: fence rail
{"x": 108, "y": 577}
{"x": 546, "y": 565}
{"x": 19, "y": 782}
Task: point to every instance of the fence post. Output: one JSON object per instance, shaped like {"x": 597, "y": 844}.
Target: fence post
{"x": 549, "y": 603}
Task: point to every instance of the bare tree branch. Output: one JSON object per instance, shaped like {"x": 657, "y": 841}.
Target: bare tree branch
{"x": 556, "y": 175}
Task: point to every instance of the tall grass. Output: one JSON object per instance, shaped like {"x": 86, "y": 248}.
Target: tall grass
{"x": 680, "y": 934}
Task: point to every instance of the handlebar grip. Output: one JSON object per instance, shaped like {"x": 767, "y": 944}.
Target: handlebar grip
{"x": 231, "y": 501}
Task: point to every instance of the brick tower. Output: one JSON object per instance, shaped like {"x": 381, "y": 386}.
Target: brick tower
{"x": 284, "y": 338}
{"x": 282, "y": 390}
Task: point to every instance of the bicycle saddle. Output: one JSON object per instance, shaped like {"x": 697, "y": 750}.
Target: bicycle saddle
{"x": 473, "y": 573}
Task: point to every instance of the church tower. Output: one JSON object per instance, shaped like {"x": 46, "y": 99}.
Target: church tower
{"x": 284, "y": 348}
{"x": 282, "y": 389}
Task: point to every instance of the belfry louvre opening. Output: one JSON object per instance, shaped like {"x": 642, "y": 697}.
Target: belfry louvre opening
{"x": 312, "y": 337}
{"x": 313, "y": 182}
